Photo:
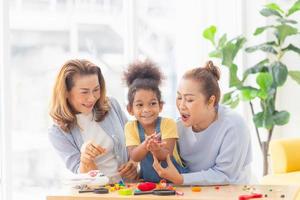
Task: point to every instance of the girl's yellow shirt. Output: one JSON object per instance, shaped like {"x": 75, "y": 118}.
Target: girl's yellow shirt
{"x": 168, "y": 130}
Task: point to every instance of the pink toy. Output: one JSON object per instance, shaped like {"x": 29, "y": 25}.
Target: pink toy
{"x": 180, "y": 193}
{"x": 93, "y": 173}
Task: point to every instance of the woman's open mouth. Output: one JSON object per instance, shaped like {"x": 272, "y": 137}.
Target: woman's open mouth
{"x": 185, "y": 117}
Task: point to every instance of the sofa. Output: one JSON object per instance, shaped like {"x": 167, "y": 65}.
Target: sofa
{"x": 285, "y": 162}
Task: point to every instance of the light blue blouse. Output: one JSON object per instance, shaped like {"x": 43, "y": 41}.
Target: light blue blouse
{"x": 68, "y": 144}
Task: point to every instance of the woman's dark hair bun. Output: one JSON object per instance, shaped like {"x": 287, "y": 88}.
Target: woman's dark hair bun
{"x": 213, "y": 69}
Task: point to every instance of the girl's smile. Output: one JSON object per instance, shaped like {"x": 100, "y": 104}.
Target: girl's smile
{"x": 146, "y": 107}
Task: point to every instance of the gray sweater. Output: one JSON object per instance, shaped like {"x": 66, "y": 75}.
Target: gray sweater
{"x": 220, "y": 154}
{"x": 68, "y": 144}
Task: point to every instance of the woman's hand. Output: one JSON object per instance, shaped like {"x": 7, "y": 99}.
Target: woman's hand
{"x": 169, "y": 172}
{"x": 129, "y": 170}
{"x": 89, "y": 151}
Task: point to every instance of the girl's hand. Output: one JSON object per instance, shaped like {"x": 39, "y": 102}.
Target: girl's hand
{"x": 153, "y": 142}
{"x": 169, "y": 172}
{"x": 155, "y": 145}
{"x": 147, "y": 140}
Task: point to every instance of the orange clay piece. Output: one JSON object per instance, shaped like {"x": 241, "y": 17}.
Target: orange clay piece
{"x": 162, "y": 184}
{"x": 170, "y": 187}
{"x": 196, "y": 189}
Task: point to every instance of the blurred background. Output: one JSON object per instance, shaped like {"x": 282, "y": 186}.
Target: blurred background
{"x": 38, "y": 36}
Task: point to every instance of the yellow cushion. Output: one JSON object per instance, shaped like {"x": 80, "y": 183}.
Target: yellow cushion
{"x": 292, "y": 178}
{"x": 285, "y": 155}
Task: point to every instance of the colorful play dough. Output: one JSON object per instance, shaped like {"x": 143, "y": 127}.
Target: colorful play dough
{"x": 125, "y": 192}
{"x": 196, "y": 189}
{"x": 147, "y": 186}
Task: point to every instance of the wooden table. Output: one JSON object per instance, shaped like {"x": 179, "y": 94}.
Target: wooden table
{"x": 207, "y": 193}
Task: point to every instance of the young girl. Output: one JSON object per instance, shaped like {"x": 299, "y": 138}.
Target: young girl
{"x": 143, "y": 134}
{"x": 214, "y": 142}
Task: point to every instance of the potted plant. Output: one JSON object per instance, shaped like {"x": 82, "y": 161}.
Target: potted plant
{"x": 270, "y": 73}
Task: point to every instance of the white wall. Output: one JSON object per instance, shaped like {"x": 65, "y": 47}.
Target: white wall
{"x": 289, "y": 94}
{"x": 5, "y": 133}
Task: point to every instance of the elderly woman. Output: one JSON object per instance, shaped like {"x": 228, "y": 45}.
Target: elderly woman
{"x": 88, "y": 126}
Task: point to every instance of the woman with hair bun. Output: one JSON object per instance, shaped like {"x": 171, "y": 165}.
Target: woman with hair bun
{"x": 149, "y": 134}
{"x": 214, "y": 141}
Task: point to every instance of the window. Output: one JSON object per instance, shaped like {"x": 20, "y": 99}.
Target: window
{"x": 156, "y": 40}
{"x": 95, "y": 30}
{"x": 4, "y": 98}
{"x": 45, "y": 33}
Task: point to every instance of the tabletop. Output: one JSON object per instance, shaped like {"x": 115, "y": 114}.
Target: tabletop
{"x": 207, "y": 193}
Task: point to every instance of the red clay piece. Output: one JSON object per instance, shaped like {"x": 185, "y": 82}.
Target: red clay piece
{"x": 250, "y": 196}
{"x": 147, "y": 186}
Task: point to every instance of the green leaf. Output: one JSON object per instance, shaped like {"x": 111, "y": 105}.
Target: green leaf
{"x": 291, "y": 47}
{"x": 264, "y": 118}
{"x": 270, "y": 101}
{"x": 262, "y": 94}
{"x": 281, "y": 118}
{"x": 222, "y": 40}
{"x": 279, "y": 72}
{"x": 240, "y": 41}
{"x": 283, "y": 31}
{"x": 227, "y": 98}
{"x": 259, "y": 67}
{"x": 294, "y": 8}
{"x": 231, "y": 99}
{"x": 275, "y": 7}
{"x": 258, "y": 119}
{"x": 268, "y": 121}
{"x": 269, "y": 49}
{"x": 295, "y": 75}
{"x": 248, "y": 93}
{"x": 286, "y": 21}
{"x": 269, "y": 12}
{"x": 230, "y": 50}
{"x": 266, "y": 47}
{"x": 264, "y": 80}
{"x": 259, "y": 30}
{"x": 228, "y": 54}
{"x": 234, "y": 81}
{"x": 235, "y": 103}
{"x": 209, "y": 34}
{"x": 215, "y": 54}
